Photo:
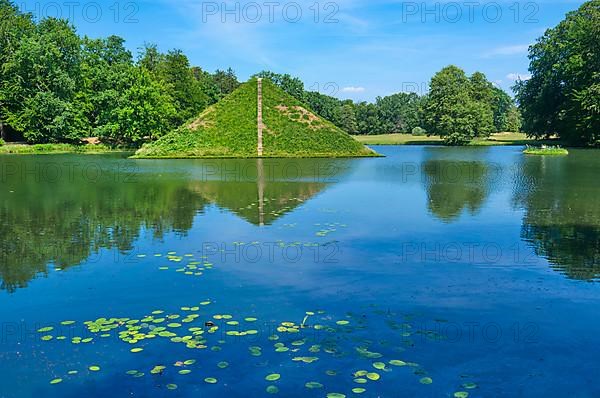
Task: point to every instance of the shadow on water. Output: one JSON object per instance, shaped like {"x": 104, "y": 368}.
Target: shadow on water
{"x": 61, "y": 210}
{"x": 561, "y": 199}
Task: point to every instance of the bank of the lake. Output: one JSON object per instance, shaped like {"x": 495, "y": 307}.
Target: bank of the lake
{"x": 514, "y": 139}
{"x": 45, "y": 149}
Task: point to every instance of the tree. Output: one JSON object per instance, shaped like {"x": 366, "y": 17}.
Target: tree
{"x": 291, "y": 85}
{"x": 502, "y": 106}
{"x": 347, "y": 119}
{"x": 563, "y": 95}
{"x": 513, "y": 120}
{"x": 453, "y": 110}
{"x": 106, "y": 72}
{"x": 41, "y": 81}
{"x": 325, "y": 106}
{"x": 398, "y": 113}
{"x": 14, "y": 26}
{"x": 367, "y": 117}
{"x": 143, "y": 111}
{"x": 226, "y": 81}
{"x": 207, "y": 85}
{"x": 149, "y": 57}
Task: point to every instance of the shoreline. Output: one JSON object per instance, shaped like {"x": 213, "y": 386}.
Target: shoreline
{"x": 500, "y": 139}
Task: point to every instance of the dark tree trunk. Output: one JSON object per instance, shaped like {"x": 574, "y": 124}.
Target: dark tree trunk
{"x": 3, "y": 132}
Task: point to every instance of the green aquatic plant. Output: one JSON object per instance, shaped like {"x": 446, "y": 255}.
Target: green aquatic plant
{"x": 273, "y": 377}
{"x": 198, "y": 329}
{"x": 545, "y": 150}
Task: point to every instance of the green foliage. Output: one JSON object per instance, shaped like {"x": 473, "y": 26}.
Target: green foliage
{"x": 347, "y": 119}
{"x": 177, "y": 78}
{"x": 456, "y": 109}
{"x": 368, "y": 119}
{"x": 545, "y": 150}
{"x": 142, "y": 112}
{"x": 563, "y": 95}
{"x": 419, "y": 131}
{"x": 56, "y": 87}
{"x": 291, "y": 85}
{"x": 42, "y": 78}
{"x": 225, "y": 81}
{"x": 2, "y": 143}
{"x": 398, "y": 113}
{"x": 513, "y": 120}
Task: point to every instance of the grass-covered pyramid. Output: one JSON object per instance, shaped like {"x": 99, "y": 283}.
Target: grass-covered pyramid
{"x": 229, "y": 129}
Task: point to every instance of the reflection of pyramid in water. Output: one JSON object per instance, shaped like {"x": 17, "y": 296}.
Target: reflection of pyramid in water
{"x": 70, "y": 221}
{"x": 267, "y": 197}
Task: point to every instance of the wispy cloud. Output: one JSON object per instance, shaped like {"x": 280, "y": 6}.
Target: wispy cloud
{"x": 518, "y": 49}
{"x": 353, "y": 89}
{"x": 518, "y": 76}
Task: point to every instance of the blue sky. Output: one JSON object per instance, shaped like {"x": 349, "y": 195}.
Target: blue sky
{"x": 354, "y": 49}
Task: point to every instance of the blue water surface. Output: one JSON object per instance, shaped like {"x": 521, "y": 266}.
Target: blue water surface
{"x": 474, "y": 270}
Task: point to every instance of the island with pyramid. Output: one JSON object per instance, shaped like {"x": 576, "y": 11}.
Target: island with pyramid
{"x": 258, "y": 120}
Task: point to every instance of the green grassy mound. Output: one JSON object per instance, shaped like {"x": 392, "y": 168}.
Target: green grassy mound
{"x": 229, "y": 129}
{"x": 544, "y": 150}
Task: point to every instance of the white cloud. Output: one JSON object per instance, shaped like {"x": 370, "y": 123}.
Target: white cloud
{"x": 508, "y": 50}
{"x": 352, "y": 89}
{"x": 518, "y": 76}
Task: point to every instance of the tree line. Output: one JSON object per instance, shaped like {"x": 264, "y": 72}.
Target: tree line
{"x": 457, "y": 107}
{"x": 56, "y": 86}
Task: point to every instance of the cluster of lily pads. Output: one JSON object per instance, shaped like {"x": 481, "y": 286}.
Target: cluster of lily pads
{"x": 328, "y": 228}
{"x": 198, "y": 330}
{"x": 189, "y": 265}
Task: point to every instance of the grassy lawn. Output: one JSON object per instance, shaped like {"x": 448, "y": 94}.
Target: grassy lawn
{"x": 25, "y": 149}
{"x": 408, "y": 139}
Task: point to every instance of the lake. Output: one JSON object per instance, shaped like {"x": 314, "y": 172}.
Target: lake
{"x": 429, "y": 272}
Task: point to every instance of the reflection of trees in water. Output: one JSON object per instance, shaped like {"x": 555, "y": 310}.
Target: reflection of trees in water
{"x": 561, "y": 198}
{"x": 65, "y": 221}
{"x": 453, "y": 186}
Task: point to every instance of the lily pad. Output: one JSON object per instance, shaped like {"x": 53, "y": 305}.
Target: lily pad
{"x": 379, "y": 365}
{"x": 94, "y": 368}
{"x": 272, "y": 389}
{"x": 313, "y": 385}
{"x": 273, "y": 377}
{"x": 210, "y": 380}
{"x": 426, "y": 380}
{"x": 56, "y": 381}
